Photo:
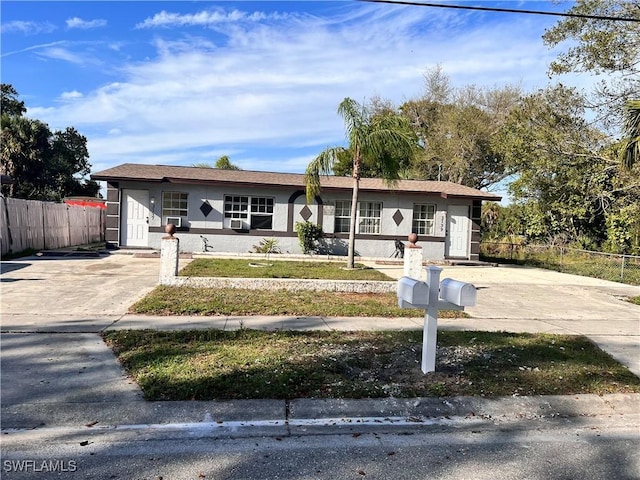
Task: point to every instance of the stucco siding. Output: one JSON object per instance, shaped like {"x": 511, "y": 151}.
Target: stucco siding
{"x": 289, "y": 207}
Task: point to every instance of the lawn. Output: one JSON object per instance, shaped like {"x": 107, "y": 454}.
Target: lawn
{"x": 166, "y": 300}
{"x": 261, "y": 268}
{"x": 214, "y": 364}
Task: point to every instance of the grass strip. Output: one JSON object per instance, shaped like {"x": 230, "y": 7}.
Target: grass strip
{"x": 246, "y": 364}
{"x": 263, "y": 268}
{"x": 167, "y": 300}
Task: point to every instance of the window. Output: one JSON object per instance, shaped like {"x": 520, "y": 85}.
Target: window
{"x": 342, "y": 217}
{"x": 423, "y": 219}
{"x": 368, "y": 217}
{"x": 262, "y": 213}
{"x": 174, "y": 204}
{"x": 236, "y": 206}
{"x": 258, "y": 210}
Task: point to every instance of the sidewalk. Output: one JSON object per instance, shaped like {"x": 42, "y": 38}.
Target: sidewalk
{"x": 56, "y": 370}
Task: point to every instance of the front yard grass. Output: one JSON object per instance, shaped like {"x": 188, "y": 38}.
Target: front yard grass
{"x": 244, "y": 364}
{"x": 166, "y": 300}
{"x": 263, "y": 268}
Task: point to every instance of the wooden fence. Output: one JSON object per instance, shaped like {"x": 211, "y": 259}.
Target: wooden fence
{"x": 31, "y": 224}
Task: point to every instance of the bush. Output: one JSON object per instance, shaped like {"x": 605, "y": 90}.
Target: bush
{"x": 308, "y": 235}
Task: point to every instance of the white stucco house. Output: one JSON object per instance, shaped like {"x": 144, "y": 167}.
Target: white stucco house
{"x": 234, "y": 209}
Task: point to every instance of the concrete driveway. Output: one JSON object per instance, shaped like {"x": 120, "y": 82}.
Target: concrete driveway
{"x": 72, "y": 293}
{"x": 524, "y": 299}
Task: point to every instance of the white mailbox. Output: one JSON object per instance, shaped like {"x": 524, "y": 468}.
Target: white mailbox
{"x": 457, "y": 292}
{"x": 413, "y": 292}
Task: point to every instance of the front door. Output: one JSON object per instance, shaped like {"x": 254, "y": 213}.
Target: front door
{"x": 134, "y": 224}
{"x": 458, "y": 231}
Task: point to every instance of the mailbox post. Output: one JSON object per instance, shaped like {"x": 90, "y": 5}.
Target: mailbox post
{"x": 432, "y": 296}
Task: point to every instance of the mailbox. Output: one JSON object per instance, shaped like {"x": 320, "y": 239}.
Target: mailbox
{"x": 457, "y": 292}
{"x": 412, "y": 291}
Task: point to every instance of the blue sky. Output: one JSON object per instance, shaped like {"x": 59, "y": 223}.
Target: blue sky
{"x": 179, "y": 83}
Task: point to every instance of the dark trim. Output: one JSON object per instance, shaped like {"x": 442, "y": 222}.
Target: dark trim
{"x": 295, "y": 195}
{"x": 111, "y": 236}
{"x": 281, "y": 234}
{"x": 113, "y": 222}
{"x": 290, "y": 207}
{"x": 113, "y": 209}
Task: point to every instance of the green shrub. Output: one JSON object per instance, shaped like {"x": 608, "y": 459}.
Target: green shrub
{"x": 308, "y": 235}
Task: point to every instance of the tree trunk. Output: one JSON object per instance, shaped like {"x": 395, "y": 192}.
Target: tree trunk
{"x": 352, "y": 225}
{"x": 354, "y": 213}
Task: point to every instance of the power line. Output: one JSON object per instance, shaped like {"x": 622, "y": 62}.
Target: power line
{"x": 507, "y": 10}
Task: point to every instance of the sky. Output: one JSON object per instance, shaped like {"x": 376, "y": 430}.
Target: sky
{"x": 185, "y": 82}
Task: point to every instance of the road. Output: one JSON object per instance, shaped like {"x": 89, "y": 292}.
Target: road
{"x": 562, "y": 448}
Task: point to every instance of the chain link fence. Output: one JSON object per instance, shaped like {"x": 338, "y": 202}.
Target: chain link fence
{"x": 607, "y": 266}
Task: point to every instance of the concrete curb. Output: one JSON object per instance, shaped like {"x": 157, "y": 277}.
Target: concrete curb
{"x": 319, "y": 412}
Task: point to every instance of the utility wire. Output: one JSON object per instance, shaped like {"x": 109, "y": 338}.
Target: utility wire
{"x": 508, "y": 10}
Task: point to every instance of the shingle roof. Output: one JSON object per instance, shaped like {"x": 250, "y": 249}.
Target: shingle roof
{"x": 198, "y": 175}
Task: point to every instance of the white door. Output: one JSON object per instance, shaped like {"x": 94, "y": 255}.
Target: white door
{"x": 134, "y": 224}
{"x": 458, "y": 231}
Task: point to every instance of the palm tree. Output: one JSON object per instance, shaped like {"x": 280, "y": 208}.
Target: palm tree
{"x": 370, "y": 140}
{"x": 631, "y": 151}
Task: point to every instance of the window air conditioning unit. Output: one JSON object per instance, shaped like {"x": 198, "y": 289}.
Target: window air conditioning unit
{"x": 177, "y": 221}
{"x": 237, "y": 224}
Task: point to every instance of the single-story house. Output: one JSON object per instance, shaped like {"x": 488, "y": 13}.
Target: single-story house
{"x": 233, "y": 210}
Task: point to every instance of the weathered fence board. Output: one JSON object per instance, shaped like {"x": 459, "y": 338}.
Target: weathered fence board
{"x": 30, "y": 224}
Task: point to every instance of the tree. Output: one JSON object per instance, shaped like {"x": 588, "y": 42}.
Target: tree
{"x": 223, "y": 163}
{"x": 370, "y": 138}
{"x": 44, "y": 165}
{"x": 631, "y": 142}
{"x": 602, "y": 47}
{"x": 456, "y": 128}
{"x": 9, "y": 103}
{"x": 372, "y": 168}
{"x": 567, "y": 168}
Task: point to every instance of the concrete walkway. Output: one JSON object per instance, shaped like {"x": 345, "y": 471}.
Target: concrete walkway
{"x": 56, "y": 370}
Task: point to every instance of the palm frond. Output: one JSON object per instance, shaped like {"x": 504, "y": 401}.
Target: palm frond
{"x": 321, "y": 165}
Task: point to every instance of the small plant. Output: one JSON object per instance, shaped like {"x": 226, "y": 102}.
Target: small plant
{"x": 308, "y": 236}
{"x": 267, "y": 245}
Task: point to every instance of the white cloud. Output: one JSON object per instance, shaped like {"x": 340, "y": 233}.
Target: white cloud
{"x": 275, "y": 84}
{"x": 59, "y": 53}
{"x": 73, "y": 95}
{"x": 204, "y": 18}
{"x": 27, "y": 28}
{"x": 76, "y": 22}
{"x": 35, "y": 47}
